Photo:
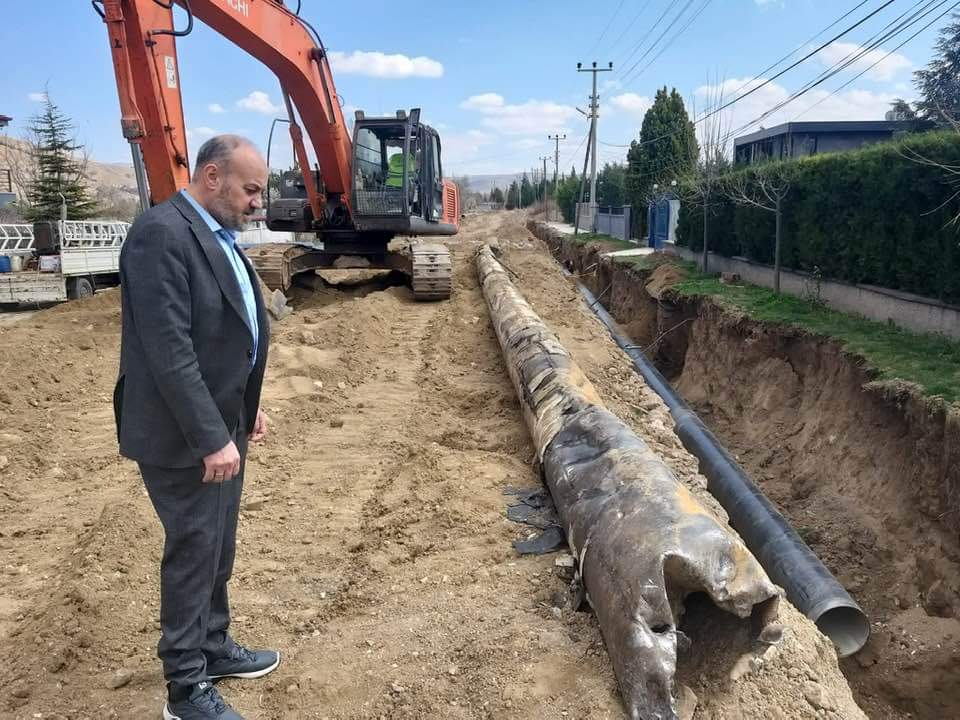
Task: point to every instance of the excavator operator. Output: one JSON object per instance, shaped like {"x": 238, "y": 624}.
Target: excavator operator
{"x": 395, "y": 169}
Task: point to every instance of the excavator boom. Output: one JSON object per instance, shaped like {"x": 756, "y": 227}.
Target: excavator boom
{"x": 397, "y": 174}
{"x": 143, "y": 43}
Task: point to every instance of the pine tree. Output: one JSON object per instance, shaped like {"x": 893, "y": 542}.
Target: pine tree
{"x": 58, "y": 171}
{"x": 939, "y": 83}
{"x": 667, "y": 148}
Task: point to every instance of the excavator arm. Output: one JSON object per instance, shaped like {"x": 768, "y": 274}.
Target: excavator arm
{"x": 143, "y": 43}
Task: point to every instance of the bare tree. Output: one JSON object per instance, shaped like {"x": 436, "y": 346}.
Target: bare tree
{"x": 700, "y": 184}
{"x": 765, "y": 188}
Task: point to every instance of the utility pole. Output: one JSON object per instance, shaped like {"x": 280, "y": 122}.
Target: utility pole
{"x": 594, "y": 114}
{"x": 556, "y": 161}
{"x": 546, "y": 210}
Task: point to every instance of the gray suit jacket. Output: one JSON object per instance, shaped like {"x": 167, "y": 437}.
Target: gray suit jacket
{"x": 186, "y": 378}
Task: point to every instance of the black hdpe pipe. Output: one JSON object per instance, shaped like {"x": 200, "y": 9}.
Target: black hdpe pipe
{"x": 788, "y": 561}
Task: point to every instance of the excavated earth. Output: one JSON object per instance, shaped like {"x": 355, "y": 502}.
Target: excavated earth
{"x": 868, "y": 472}
{"x": 373, "y": 545}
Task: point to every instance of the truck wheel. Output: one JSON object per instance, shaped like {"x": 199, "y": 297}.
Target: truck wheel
{"x": 79, "y": 288}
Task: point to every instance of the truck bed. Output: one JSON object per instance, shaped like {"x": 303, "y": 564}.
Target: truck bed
{"x": 30, "y": 286}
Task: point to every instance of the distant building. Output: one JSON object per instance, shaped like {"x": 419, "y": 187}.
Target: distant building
{"x": 5, "y": 120}
{"x": 800, "y": 139}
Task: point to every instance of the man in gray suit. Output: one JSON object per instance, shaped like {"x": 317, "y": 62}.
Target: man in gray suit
{"x": 192, "y": 359}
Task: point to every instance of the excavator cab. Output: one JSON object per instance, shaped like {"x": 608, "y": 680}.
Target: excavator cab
{"x": 398, "y": 181}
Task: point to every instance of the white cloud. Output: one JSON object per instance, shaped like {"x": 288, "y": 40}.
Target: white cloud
{"x": 528, "y": 118}
{"x": 466, "y": 146}
{"x": 611, "y": 85}
{"x": 487, "y": 102}
{"x": 815, "y": 105}
{"x": 216, "y": 108}
{"x": 201, "y": 133}
{"x": 381, "y": 65}
{"x": 631, "y": 103}
{"x": 527, "y": 144}
{"x": 37, "y": 97}
{"x": 885, "y": 70}
{"x": 259, "y": 101}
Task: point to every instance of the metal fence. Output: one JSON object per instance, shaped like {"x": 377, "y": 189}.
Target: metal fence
{"x": 614, "y": 221}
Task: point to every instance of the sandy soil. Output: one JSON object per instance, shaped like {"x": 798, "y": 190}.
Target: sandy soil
{"x": 374, "y": 551}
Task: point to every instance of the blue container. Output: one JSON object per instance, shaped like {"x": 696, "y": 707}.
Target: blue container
{"x": 4, "y": 264}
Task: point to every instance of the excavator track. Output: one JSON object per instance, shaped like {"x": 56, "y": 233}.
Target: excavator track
{"x": 273, "y": 263}
{"x": 431, "y": 276}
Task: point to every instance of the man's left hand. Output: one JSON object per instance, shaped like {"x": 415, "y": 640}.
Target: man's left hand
{"x": 259, "y": 427}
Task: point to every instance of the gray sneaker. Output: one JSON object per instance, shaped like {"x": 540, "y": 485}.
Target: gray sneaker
{"x": 204, "y": 703}
{"x": 243, "y": 663}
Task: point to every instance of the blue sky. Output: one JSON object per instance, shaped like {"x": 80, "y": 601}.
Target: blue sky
{"x": 494, "y": 77}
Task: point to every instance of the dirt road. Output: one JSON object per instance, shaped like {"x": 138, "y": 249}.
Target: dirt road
{"x": 374, "y": 551}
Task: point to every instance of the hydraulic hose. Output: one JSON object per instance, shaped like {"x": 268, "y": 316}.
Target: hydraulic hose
{"x": 788, "y": 560}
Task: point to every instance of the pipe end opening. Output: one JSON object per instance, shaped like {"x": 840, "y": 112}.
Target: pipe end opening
{"x": 848, "y": 628}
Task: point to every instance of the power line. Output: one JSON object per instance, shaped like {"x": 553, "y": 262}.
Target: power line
{"x": 790, "y": 67}
{"x": 662, "y": 35}
{"x": 630, "y": 25}
{"x": 607, "y": 27}
{"x": 660, "y": 19}
{"x": 673, "y": 39}
{"x": 884, "y": 35}
{"x": 867, "y": 69}
{"x": 738, "y": 98}
{"x": 804, "y": 44}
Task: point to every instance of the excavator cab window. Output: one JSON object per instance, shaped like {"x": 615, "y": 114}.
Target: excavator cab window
{"x": 386, "y": 161}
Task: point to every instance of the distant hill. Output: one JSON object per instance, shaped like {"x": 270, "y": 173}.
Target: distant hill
{"x": 114, "y": 185}
{"x": 485, "y": 183}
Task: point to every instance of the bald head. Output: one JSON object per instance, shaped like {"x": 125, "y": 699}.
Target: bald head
{"x": 229, "y": 179}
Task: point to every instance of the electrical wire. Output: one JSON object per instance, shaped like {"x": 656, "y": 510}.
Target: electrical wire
{"x": 660, "y": 19}
{"x": 630, "y": 24}
{"x": 790, "y": 67}
{"x": 660, "y": 37}
{"x": 741, "y": 96}
{"x": 697, "y": 13}
{"x": 609, "y": 23}
{"x": 877, "y": 62}
{"x": 899, "y": 25}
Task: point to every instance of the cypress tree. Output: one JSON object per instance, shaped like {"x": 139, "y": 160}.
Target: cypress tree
{"x": 58, "y": 169}
{"x": 667, "y": 149}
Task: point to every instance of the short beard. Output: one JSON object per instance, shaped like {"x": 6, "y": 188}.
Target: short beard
{"x": 230, "y": 220}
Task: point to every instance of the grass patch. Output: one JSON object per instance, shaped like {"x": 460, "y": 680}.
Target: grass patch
{"x": 930, "y": 361}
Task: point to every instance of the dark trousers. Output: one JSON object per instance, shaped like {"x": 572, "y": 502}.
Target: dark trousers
{"x": 200, "y": 527}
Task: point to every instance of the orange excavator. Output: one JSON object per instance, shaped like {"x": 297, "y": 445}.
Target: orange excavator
{"x": 345, "y": 206}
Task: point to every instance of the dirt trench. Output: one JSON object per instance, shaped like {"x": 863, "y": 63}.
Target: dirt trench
{"x": 867, "y": 472}
{"x": 373, "y": 545}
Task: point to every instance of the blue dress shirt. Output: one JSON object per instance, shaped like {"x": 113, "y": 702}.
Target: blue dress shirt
{"x": 228, "y": 243}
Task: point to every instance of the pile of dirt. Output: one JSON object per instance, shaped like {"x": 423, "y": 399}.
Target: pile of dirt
{"x": 663, "y": 278}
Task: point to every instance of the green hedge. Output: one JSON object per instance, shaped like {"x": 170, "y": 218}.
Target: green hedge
{"x": 868, "y": 216}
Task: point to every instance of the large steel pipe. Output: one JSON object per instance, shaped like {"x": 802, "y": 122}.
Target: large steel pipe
{"x": 642, "y": 540}
{"x": 791, "y": 564}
